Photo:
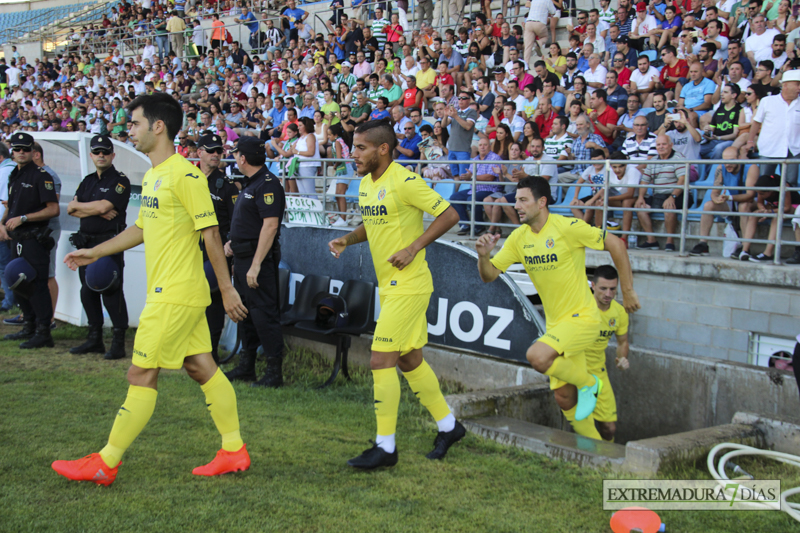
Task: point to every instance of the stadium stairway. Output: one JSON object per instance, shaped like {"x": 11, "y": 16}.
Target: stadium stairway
{"x": 553, "y": 443}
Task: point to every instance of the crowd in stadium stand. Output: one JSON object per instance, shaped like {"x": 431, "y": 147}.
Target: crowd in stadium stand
{"x": 670, "y": 80}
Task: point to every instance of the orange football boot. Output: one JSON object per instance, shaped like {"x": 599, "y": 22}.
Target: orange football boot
{"x": 225, "y": 462}
{"x": 90, "y": 468}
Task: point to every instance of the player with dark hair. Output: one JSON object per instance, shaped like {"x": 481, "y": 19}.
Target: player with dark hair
{"x": 552, "y": 250}
{"x": 173, "y": 331}
{"x": 613, "y": 321}
{"x": 392, "y": 200}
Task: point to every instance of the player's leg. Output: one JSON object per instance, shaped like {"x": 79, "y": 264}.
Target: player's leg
{"x": 566, "y": 396}
{"x": 559, "y": 353}
{"x": 605, "y": 412}
{"x": 221, "y": 402}
{"x": 157, "y": 326}
{"x": 386, "y": 391}
{"x": 101, "y": 468}
{"x": 423, "y": 381}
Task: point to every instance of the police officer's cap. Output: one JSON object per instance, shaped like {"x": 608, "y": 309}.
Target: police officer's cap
{"x": 19, "y": 277}
{"x": 103, "y": 275}
{"x": 21, "y": 140}
{"x": 101, "y": 142}
{"x": 250, "y": 146}
{"x": 209, "y": 142}
{"x": 211, "y": 276}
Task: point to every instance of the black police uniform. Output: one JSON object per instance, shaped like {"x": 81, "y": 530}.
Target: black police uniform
{"x": 115, "y": 187}
{"x": 223, "y": 196}
{"x": 30, "y": 188}
{"x": 262, "y": 197}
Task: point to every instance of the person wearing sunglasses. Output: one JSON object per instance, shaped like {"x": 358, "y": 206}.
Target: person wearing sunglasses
{"x": 223, "y": 195}
{"x": 255, "y": 245}
{"x": 32, "y": 202}
{"x": 101, "y": 204}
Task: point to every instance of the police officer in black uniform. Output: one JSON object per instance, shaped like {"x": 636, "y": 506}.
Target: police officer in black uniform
{"x": 101, "y": 202}
{"x": 32, "y": 202}
{"x": 223, "y": 194}
{"x": 254, "y": 242}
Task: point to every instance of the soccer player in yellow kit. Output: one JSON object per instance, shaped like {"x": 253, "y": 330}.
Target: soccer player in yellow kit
{"x": 552, "y": 249}
{"x": 392, "y": 200}
{"x": 173, "y": 331}
{"x": 613, "y": 321}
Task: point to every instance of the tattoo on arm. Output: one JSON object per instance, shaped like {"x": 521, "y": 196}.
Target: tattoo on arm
{"x": 352, "y": 238}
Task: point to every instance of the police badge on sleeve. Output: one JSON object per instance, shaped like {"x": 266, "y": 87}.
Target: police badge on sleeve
{"x": 269, "y": 198}
{"x": 120, "y": 188}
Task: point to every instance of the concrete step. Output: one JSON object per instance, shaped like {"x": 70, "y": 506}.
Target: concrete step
{"x": 553, "y": 443}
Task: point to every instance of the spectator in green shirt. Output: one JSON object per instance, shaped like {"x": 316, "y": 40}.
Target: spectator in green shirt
{"x": 120, "y": 123}
{"x": 362, "y": 109}
{"x": 330, "y": 110}
{"x": 392, "y": 92}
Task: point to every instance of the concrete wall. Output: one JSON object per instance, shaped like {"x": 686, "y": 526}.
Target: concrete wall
{"x": 29, "y": 51}
{"x": 661, "y": 394}
{"x": 707, "y": 307}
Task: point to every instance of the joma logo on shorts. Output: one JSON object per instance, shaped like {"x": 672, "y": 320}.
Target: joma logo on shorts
{"x": 383, "y": 339}
{"x": 139, "y": 353}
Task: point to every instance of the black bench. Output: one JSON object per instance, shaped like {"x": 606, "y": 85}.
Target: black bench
{"x": 299, "y": 320}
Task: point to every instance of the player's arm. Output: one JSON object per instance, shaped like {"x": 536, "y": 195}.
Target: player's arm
{"x": 446, "y": 220}
{"x": 484, "y": 246}
{"x": 266, "y": 237}
{"x": 619, "y": 254}
{"x": 337, "y": 246}
{"x": 623, "y": 347}
{"x": 132, "y": 236}
{"x": 230, "y": 298}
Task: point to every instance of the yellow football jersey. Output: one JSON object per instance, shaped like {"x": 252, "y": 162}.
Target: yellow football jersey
{"x": 555, "y": 259}
{"x": 176, "y": 205}
{"x": 612, "y": 321}
{"x": 392, "y": 210}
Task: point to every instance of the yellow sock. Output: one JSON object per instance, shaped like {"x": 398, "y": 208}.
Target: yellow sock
{"x": 423, "y": 382}
{"x": 584, "y": 427}
{"x": 387, "y": 399}
{"x": 221, "y": 401}
{"x": 566, "y": 370}
{"x": 131, "y": 420}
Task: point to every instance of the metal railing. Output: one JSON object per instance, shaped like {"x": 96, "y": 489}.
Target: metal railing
{"x": 683, "y": 211}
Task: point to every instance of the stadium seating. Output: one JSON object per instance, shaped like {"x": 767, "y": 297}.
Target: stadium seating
{"x": 34, "y": 19}
{"x": 360, "y": 299}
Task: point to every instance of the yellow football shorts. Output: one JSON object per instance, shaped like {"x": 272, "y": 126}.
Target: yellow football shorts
{"x": 402, "y": 325}
{"x": 168, "y": 333}
{"x": 572, "y": 338}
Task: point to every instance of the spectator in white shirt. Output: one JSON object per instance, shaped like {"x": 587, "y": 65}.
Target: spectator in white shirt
{"x": 595, "y": 75}
{"x": 760, "y": 39}
{"x": 645, "y": 81}
{"x": 776, "y": 53}
{"x": 149, "y": 51}
{"x": 777, "y": 126}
